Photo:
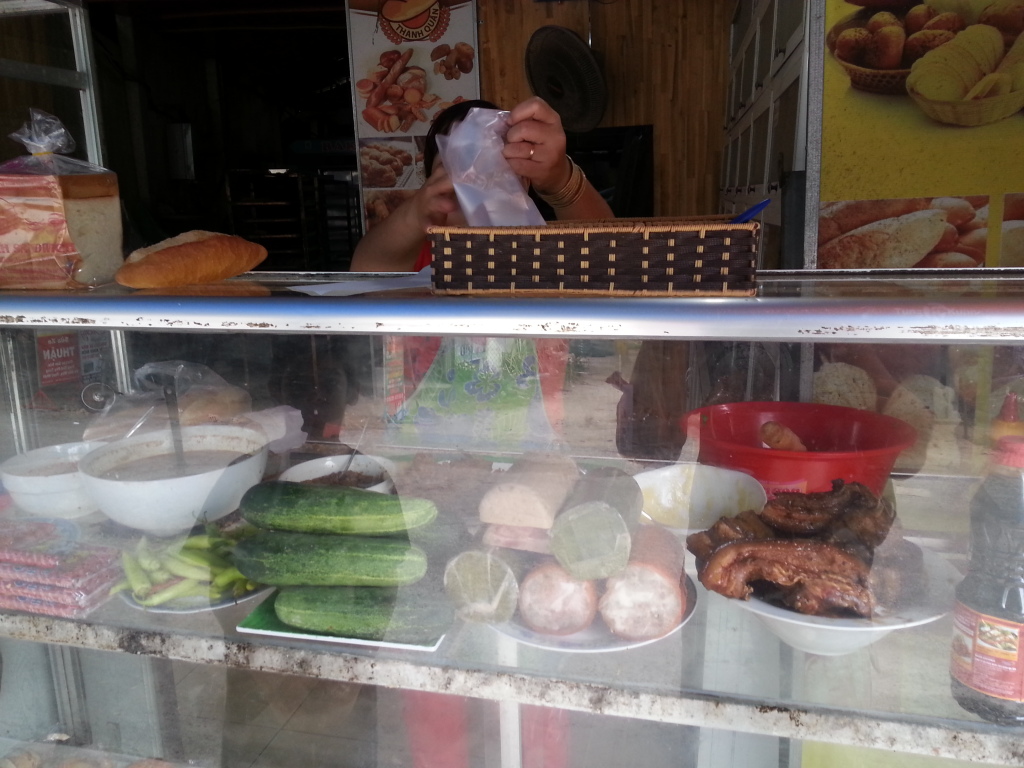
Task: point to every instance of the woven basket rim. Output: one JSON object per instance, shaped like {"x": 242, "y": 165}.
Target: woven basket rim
{"x": 626, "y": 226}
{"x": 893, "y": 74}
{"x": 1001, "y": 107}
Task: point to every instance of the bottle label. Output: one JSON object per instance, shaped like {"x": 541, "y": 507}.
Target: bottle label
{"x": 986, "y": 654}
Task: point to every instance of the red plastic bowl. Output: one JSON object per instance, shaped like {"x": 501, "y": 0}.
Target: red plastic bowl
{"x": 842, "y": 443}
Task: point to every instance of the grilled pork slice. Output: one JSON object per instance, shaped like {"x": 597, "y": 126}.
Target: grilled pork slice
{"x": 742, "y": 527}
{"x": 849, "y": 512}
{"x": 814, "y": 577}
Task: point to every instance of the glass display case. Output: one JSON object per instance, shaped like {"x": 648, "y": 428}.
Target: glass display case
{"x": 448, "y": 393}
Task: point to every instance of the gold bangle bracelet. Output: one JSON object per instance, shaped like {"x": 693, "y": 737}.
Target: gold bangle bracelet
{"x": 571, "y": 192}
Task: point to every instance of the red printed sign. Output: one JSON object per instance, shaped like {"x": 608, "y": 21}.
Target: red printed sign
{"x": 57, "y": 358}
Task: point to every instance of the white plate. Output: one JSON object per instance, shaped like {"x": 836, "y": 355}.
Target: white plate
{"x": 328, "y": 465}
{"x": 687, "y": 496}
{"x": 835, "y": 637}
{"x": 192, "y": 604}
{"x": 596, "y": 638}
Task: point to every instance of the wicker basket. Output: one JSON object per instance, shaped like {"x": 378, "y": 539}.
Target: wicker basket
{"x": 615, "y": 257}
{"x": 891, "y": 81}
{"x": 970, "y": 113}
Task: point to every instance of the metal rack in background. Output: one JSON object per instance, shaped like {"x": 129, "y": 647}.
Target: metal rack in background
{"x": 341, "y": 217}
{"x": 306, "y": 219}
{"x": 277, "y": 208}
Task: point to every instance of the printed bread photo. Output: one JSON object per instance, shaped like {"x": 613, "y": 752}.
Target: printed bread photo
{"x": 191, "y": 258}
{"x": 896, "y": 242}
{"x": 935, "y": 232}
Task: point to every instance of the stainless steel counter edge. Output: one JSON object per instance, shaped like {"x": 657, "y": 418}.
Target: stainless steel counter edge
{"x": 985, "y": 744}
{"x": 982, "y": 310}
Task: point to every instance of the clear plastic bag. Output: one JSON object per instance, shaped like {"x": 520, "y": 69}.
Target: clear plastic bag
{"x": 489, "y": 192}
{"x": 201, "y": 395}
{"x": 60, "y": 218}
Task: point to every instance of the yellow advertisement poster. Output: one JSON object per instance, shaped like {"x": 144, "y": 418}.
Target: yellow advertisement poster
{"x": 922, "y": 135}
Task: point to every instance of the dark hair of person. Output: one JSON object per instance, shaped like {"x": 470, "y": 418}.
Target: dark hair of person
{"x": 443, "y": 122}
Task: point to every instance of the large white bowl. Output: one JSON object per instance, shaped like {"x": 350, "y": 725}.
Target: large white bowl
{"x": 837, "y": 637}
{"x": 376, "y": 466}
{"x": 46, "y": 481}
{"x": 690, "y": 496}
{"x": 173, "y": 504}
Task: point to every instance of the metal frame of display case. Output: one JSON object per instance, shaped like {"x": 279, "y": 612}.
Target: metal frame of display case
{"x": 982, "y": 308}
{"x": 81, "y": 78}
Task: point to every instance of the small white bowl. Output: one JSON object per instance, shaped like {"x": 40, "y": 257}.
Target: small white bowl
{"x": 46, "y": 481}
{"x": 376, "y": 466}
{"x": 690, "y": 496}
{"x": 837, "y": 637}
{"x": 173, "y": 504}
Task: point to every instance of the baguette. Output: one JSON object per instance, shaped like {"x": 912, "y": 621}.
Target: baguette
{"x": 893, "y": 243}
{"x": 194, "y": 257}
{"x": 221, "y": 288}
{"x": 835, "y": 219}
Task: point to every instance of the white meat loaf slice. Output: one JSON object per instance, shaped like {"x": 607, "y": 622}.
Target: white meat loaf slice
{"x": 552, "y": 602}
{"x": 531, "y": 492}
{"x": 648, "y": 599}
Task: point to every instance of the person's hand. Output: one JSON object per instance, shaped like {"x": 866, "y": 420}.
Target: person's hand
{"x": 535, "y": 145}
{"x": 435, "y": 200}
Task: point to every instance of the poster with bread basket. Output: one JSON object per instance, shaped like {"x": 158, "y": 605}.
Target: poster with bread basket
{"x": 409, "y": 60}
{"x": 921, "y": 124}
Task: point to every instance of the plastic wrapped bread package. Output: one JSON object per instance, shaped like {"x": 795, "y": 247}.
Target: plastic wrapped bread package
{"x": 60, "y": 218}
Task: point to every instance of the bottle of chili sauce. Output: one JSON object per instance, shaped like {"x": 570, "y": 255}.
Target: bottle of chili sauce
{"x": 987, "y": 659}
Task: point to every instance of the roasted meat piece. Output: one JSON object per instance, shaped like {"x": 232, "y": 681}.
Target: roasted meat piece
{"x": 745, "y": 526}
{"x": 849, "y": 508}
{"x": 814, "y": 577}
{"x": 810, "y": 514}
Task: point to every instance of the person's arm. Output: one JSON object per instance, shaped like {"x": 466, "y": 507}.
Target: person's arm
{"x": 394, "y": 244}
{"x": 535, "y": 148}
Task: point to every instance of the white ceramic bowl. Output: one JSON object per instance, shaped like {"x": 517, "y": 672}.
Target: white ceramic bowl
{"x": 837, "y": 637}
{"x": 46, "y": 481}
{"x": 174, "y": 503}
{"x": 376, "y": 466}
{"x": 690, "y": 496}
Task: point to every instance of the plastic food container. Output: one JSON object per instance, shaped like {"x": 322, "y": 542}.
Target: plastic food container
{"x": 842, "y": 443}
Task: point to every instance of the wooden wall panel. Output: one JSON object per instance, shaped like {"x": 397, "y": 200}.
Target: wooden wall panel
{"x": 504, "y": 28}
{"x": 665, "y": 62}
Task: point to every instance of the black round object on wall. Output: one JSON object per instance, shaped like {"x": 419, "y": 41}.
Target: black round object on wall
{"x": 562, "y": 69}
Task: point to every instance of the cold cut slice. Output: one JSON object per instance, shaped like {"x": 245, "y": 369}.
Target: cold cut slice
{"x": 519, "y": 537}
{"x": 531, "y": 492}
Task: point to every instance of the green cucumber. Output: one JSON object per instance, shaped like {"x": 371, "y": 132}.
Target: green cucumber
{"x": 284, "y": 559}
{"x": 405, "y": 615}
{"x": 287, "y": 506}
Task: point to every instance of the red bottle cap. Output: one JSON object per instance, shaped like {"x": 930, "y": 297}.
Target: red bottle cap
{"x": 1010, "y": 452}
